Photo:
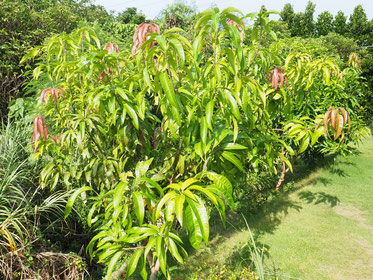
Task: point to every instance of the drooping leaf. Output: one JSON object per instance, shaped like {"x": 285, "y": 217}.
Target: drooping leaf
{"x": 70, "y": 202}
{"x": 174, "y": 251}
{"x": 338, "y": 127}
{"x": 209, "y": 113}
{"x": 195, "y": 235}
{"x": 168, "y": 89}
{"x": 133, "y": 262}
{"x": 138, "y": 202}
{"x": 161, "y": 252}
{"x": 203, "y": 131}
{"x": 132, "y": 113}
{"x": 200, "y": 213}
{"x": 142, "y": 167}
{"x": 179, "y": 208}
{"x": 112, "y": 263}
{"x": 304, "y": 144}
{"x": 233, "y": 159}
{"x": 163, "y": 201}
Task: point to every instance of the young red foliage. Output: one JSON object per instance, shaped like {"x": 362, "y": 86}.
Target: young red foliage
{"x": 336, "y": 119}
{"x": 40, "y": 129}
{"x": 54, "y": 92}
{"x": 141, "y": 35}
{"x": 242, "y": 32}
{"x": 111, "y": 47}
{"x": 56, "y": 139}
{"x": 276, "y": 76}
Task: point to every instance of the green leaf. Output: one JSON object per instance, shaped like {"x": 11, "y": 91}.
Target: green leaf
{"x": 195, "y": 236}
{"x": 230, "y": 10}
{"x": 222, "y": 183}
{"x": 233, "y": 159}
{"x": 235, "y": 129}
{"x": 170, "y": 209}
{"x": 130, "y": 111}
{"x": 179, "y": 49}
{"x": 233, "y": 105}
{"x": 142, "y": 267}
{"x": 197, "y": 46}
{"x": 147, "y": 78}
{"x": 189, "y": 182}
{"x": 326, "y": 75}
{"x": 142, "y": 167}
{"x": 139, "y": 206}
{"x": 47, "y": 171}
{"x": 198, "y": 149}
{"x": 234, "y": 146}
{"x": 162, "y": 42}
{"x": 118, "y": 196}
{"x": 174, "y": 251}
{"x": 119, "y": 193}
{"x": 90, "y": 214}
{"x": 37, "y": 72}
{"x": 209, "y": 113}
{"x": 262, "y": 96}
{"x": 286, "y": 161}
{"x": 151, "y": 183}
{"x": 201, "y": 215}
{"x": 179, "y": 208}
{"x": 288, "y": 59}
{"x": 161, "y": 252}
{"x": 234, "y": 18}
{"x": 204, "y": 18}
{"x": 316, "y": 134}
{"x": 163, "y": 201}
{"x": 112, "y": 263}
{"x": 70, "y": 202}
{"x": 203, "y": 131}
{"x": 206, "y": 192}
{"x": 168, "y": 89}
{"x": 304, "y": 144}
{"x": 149, "y": 246}
{"x": 133, "y": 262}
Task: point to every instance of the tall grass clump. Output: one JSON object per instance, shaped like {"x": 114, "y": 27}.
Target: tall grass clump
{"x": 17, "y": 178}
{"x": 26, "y": 211}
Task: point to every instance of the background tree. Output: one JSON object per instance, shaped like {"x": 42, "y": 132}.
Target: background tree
{"x": 96, "y": 13}
{"x": 339, "y": 23}
{"x": 358, "y": 25}
{"x": 131, "y": 15}
{"x": 297, "y": 27}
{"x": 287, "y": 15}
{"x": 308, "y": 24}
{"x": 179, "y": 15}
{"x": 25, "y": 24}
{"x": 324, "y": 23}
{"x": 370, "y": 33}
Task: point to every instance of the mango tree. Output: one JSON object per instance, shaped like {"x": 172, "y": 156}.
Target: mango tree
{"x": 154, "y": 138}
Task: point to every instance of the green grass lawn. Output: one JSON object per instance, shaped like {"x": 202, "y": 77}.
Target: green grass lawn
{"x": 322, "y": 228}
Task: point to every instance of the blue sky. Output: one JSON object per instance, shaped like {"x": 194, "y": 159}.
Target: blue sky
{"x": 151, "y": 8}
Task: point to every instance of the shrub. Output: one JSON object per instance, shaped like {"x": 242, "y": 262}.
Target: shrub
{"x": 152, "y": 142}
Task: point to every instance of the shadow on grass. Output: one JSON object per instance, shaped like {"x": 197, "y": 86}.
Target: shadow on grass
{"x": 264, "y": 219}
{"x": 338, "y": 171}
{"x": 318, "y": 198}
{"x": 236, "y": 257}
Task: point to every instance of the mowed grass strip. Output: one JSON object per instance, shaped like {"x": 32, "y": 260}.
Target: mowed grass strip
{"x": 322, "y": 228}
{"x": 330, "y": 234}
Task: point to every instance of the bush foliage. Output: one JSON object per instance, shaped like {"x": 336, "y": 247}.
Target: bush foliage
{"x": 148, "y": 138}
{"x": 154, "y": 139}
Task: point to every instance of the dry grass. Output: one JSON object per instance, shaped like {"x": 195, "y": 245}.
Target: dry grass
{"x": 41, "y": 266}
